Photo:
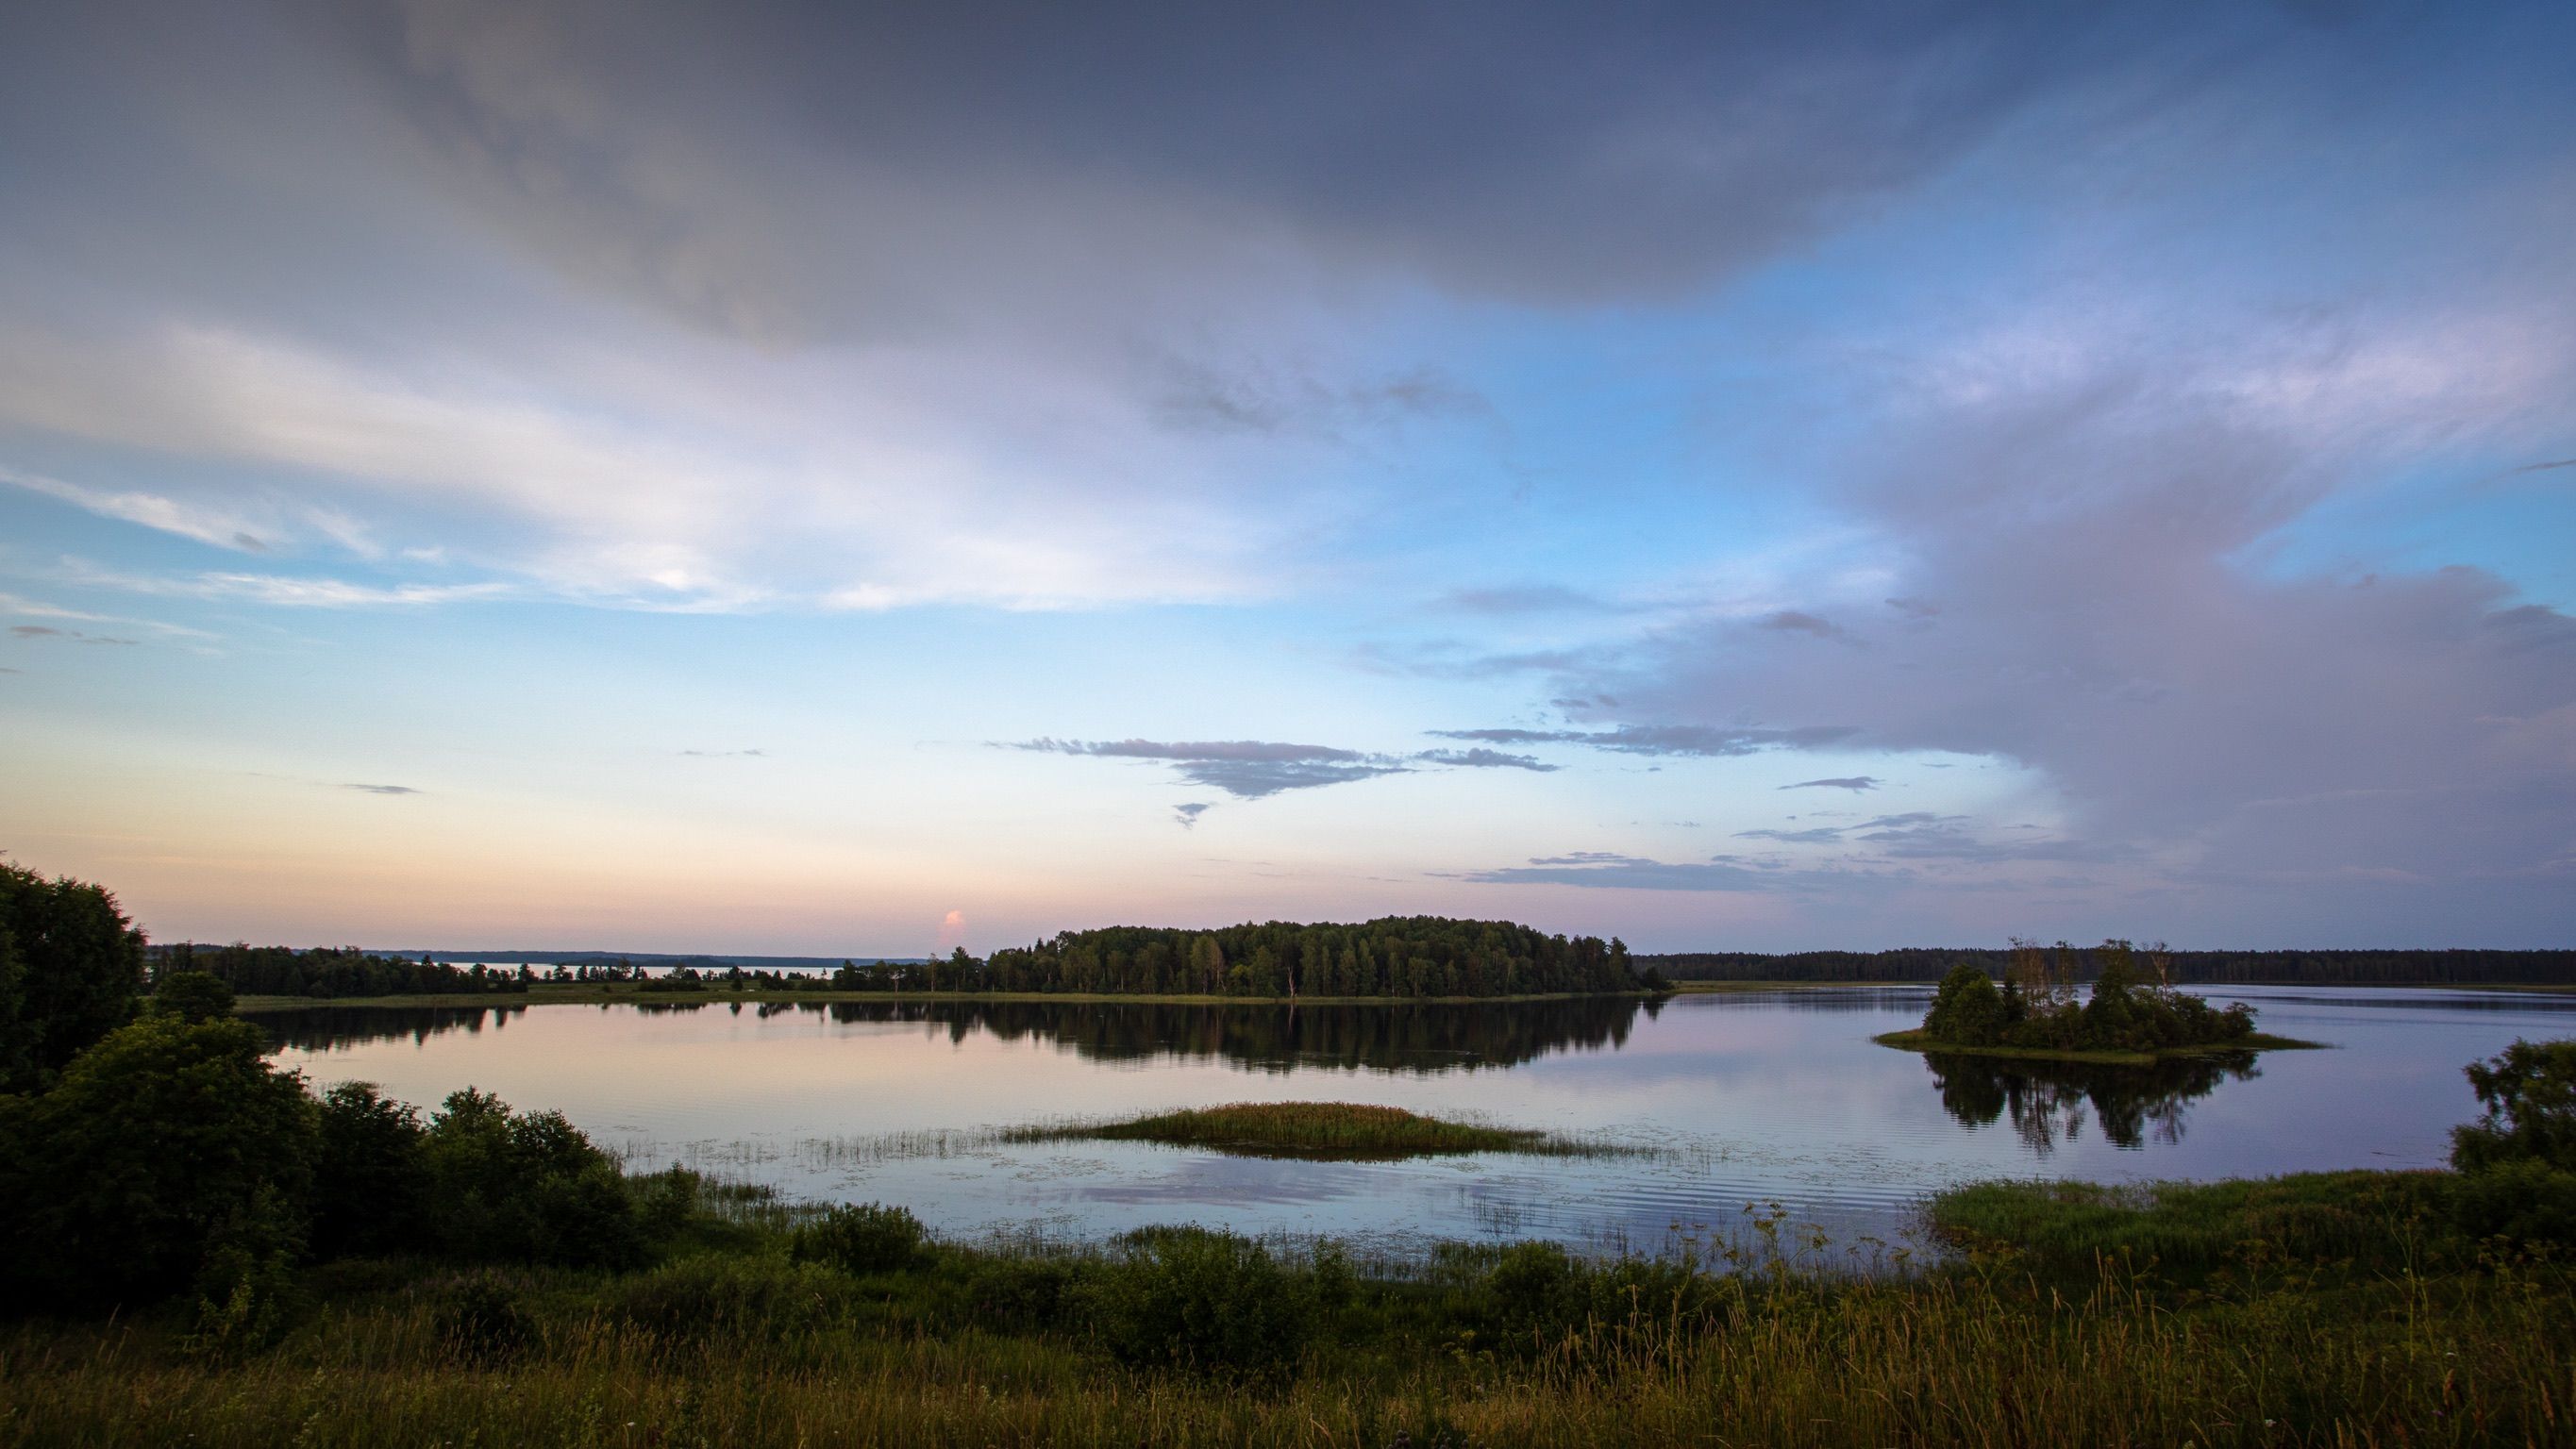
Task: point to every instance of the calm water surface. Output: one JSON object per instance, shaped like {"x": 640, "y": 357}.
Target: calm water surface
{"x": 1756, "y": 1098}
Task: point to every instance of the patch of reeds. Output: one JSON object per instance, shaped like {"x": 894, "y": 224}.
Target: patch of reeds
{"x": 1320, "y": 1131}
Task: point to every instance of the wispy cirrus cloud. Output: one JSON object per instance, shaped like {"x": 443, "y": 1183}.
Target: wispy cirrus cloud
{"x": 292, "y": 591}
{"x": 206, "y": 523}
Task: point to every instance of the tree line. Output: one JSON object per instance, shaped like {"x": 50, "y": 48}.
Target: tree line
{"x": 325, "y": 972}
{"x": 2189, "y": 968}
{"x": 1394, "y": 956}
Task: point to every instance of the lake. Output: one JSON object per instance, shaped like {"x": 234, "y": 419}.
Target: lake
{"x": 1738, "y": 1099}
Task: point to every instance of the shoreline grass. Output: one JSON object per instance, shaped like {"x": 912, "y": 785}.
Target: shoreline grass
{"x": 2323, "y": 1309}
{"x": 1917, "y": 1040}
{"x": 1318, "y": 1132}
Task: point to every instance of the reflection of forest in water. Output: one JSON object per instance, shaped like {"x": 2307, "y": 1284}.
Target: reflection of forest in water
{"x": 1395, "y": 1038}
{"x": 2047, "y": 1102}
{"x": 326, "y": 1028}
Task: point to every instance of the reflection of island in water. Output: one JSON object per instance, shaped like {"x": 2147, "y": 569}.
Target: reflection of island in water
{"x": 2048, "y": 1101}
{"x": 1391, "y": 1038}
{"x": 330, "y": 1028}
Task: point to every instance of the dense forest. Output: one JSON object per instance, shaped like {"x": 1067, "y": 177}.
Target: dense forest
{"x": 328, "y": 972}
{"x": 2188, "y": 968}
{"x": 1401, "y": 956}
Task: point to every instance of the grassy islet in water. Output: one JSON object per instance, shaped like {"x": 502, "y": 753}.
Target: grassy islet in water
{"x": 1320, "y": 1131}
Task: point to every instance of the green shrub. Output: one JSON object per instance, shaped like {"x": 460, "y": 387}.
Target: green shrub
{"x": 2528, "y": 1201}
{"x": 482, "y": 1322}
{"x": 1020, "y": 1294}
{"x": 246, "y": 1298}
{"x": 861, "y": 1238}
{"x": 2529, "y": 1092}
{"x": 524, "y": 1187}
{"x": 1209, "y": 1301}
{"x": 711, "y": 1297}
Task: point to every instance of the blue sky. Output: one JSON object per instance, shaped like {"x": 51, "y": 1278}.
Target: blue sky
{"x": 772, "y": 478}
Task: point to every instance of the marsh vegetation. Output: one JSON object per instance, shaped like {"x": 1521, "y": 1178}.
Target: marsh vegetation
{"x": 1320, "y": 1131}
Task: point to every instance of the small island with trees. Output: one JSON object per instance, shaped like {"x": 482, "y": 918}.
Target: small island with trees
{"x": 2132, "y": 1016}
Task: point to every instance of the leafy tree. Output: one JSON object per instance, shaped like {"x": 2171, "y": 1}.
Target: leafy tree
{"x": 1967, "y": 1009}
{"x": 166, "y": 1142}
{"x": 524, "y": 1186}
{"x": 192, "y": 996}
{"x": 329, "y": 972}
{"x": 2529, "y": 1091}
{"x": 370, "y": 1173}
{"x": 73, "y": 966}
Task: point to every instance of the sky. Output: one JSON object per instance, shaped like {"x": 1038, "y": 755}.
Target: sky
{"x": 850, "y": 480}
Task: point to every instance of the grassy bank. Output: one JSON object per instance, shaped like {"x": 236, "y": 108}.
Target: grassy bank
{"x": 2066, "y": 1321}
{"x": 1918, "y": 1040}
{"x": 1317, "y": 1131}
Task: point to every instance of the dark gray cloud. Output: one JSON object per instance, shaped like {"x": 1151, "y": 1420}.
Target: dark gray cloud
{"x": 1245, "y": 769}
{"x": 1812, "y": 835}
{"x": 1252, "y": 769}
{"x": 381, "y": 789}
{"x": 1853, "y": 783}
{"x": 1256, "y": 399}
{"x": 1715, "y": 741}
{"x": 1483, "y": 759}
{"x": 1793, "y": 621}
{"x": 1478, "y": 147}
{"x": 70, "y": 636}
{"x": 1188, "y": 812}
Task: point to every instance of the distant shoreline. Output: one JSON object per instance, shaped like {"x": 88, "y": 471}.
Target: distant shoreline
{"x": 626, "y": 993}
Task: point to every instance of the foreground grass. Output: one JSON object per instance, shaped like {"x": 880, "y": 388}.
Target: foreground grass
{"x": 1918, "y": 1040}
{"x": 1318, "y": 1131}
{"x": 739, "y": 1346}
{"x": 2334, "y": 1309}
